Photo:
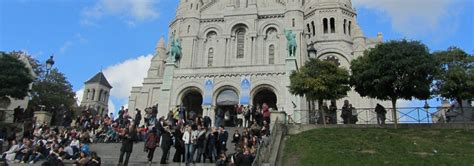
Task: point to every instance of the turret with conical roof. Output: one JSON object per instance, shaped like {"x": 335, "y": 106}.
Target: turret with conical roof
{"x": 96, "y": 93}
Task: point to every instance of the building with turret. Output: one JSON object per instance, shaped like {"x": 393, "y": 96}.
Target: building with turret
{"x": 235, "y": 52}
{"x": 96, "y": 94}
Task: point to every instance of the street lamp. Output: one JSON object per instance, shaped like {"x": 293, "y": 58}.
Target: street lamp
{"x": 312, "y": 52}
{"x": 49, "y": 64}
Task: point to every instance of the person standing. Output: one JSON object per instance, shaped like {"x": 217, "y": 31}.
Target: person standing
{"x": 179, "y": 155}
{"x": 16, "y": 114}
{"x": 354, "y": 118}
{"x": 222, "y": 139}
{"x": 266, "y": 113}
{"x": 138, "y": 117}
{"x": 211, "y": 144}
{"x": 151, "y": 141}
{"x": 380, "y": 110}
{"x": 188, "y": 144}
{"x": 201, "y": 144}
{"x": 128, "y": 137}
{"x": 333, "y": 112}
{"x": 166, "y": 143}
{"x": 346, "y": 113}
{"x": 219, "y": 116}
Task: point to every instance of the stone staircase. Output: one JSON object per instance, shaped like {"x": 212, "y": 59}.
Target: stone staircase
{"x": 110, "y": 153}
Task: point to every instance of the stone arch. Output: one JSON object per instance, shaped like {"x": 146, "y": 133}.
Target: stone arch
{"x": 211, "y": 27}
{"x": 191, "y": 98}
{"x": 176, "y": 97}
{"x": 269, "y": 24}
{"x": 344, "y": 61}
{"x": 233, "y": 26}
{"x": 224, "y": 85}
{"x": 263, "y": 88}
{"x": 268, "y": 83}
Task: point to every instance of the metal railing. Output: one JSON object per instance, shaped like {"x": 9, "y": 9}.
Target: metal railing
{"x": 418, "y": 115}
{"x": 263, "y": 151}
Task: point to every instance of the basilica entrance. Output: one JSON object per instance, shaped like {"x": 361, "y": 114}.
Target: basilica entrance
{"x": 265, "y": 96}
{"x": 192, "y": 101}
{"x": 226, "y": 102}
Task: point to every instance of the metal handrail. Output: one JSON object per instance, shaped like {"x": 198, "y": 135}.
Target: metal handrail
{"x": 265, "y": 147}
{"x": 421, "y": 115}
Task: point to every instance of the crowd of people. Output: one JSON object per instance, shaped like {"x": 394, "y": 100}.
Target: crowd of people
{"x": 191, "y": 135}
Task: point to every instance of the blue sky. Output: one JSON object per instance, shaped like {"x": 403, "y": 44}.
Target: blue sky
{"x": 119, "y": 36}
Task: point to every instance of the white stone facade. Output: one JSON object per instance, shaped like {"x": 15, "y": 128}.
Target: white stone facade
{"x": 224, "y": 40}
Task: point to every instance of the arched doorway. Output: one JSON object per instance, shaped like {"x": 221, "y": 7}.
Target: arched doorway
{"x": 226, "y": 101}
{"x": 265, "y": 96}
{"x": 192, "y": 101}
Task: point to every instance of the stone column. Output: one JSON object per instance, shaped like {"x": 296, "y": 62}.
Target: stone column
{"x": 164, "y": 98}
{"x": 280, "y": 115}
{"x": 292, "y": 102}
{"x": 42, "y": 117}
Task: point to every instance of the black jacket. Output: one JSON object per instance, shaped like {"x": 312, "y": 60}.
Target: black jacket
{"x": 127, "y": 141}
{"x": 166, "y": 140}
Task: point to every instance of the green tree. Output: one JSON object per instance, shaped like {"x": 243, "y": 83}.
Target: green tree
{"x": 15, "y": 77}
{"x": 51, "y": 90}
{"x": 455, "y": 80}
{"x": 319, "y": 81}
{"x": 394, "y": 70}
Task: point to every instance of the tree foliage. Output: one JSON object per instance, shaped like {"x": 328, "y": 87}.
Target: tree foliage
{"x": 320, "y": 80}
{"x": 52, "y": 92}
{"x": 455, "y": 79}
{"x": 394, "y": 70}
{"x": 15, "y": 77}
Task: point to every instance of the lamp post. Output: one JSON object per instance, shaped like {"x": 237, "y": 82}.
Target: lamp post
{"x": 49, "y": 65}
{"x": 312, "y": 52}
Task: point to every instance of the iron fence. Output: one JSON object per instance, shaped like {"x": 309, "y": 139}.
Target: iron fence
{"x": 419, "y": 115}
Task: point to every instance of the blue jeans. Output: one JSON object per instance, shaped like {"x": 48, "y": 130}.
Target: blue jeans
{"x": 189, "y": 153}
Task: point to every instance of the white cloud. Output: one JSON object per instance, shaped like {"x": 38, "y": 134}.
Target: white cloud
{"x": 123, "y": 76}
{"x": 79, "y": 95}
{"x": 130, "y": 11}
{"x": 129, "y": 73}
{"x": 412, "y": 17}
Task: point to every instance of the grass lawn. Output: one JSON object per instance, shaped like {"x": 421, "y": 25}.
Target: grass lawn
{"x": 380, "y": 147}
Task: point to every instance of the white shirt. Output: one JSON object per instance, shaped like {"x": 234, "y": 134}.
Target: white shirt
{"x": 187, "y": 137}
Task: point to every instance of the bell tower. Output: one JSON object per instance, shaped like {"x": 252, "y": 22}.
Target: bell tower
{"x": 96, "y": 94}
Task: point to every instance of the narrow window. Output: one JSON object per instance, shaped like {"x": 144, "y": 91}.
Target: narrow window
{"x": 237, "y": 5}
{"x": 325, "y": 25}
{"x": 189, "y": 28}
{"x": 271, "y": 54}
{"x": 93, "y": 94}
{"x": 350, "y": 28}
{"x": 100, "y": 95}
{"x": 293, "y": 22}
{"x": 333, "y": 26}
{"x": 105, "y": 96}
{"x": 309, "y": 29}
{"x": 88, "y": 94}
{"x": 344, "y": 26}
{"x": 240, "y": 43}
{"x": 197, "y": 6}
{"x": 191, "y": 7}
{"x": 314, "y": 29}
{"x": 210, "y": 57}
